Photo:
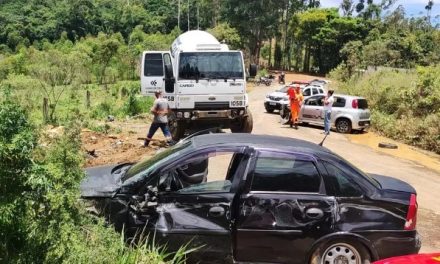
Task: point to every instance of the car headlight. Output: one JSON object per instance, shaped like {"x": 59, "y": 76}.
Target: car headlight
{"x": 186, "y": 115}
{"x": 179, "y": 115}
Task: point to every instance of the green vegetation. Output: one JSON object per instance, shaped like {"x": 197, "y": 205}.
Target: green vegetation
{"x": 405, "y": 104}
{"x": 78, "y": 60}
{"x": 41, "y": 217}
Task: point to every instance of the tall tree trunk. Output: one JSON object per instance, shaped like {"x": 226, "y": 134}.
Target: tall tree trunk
{"x": 306, "y": 66}
{"x": 270, "y": 53}
{"x": 286, "y": 21}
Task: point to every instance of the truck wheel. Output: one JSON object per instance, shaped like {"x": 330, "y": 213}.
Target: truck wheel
{"x": 177, "y": 129}
{"x": 244, "y": 125}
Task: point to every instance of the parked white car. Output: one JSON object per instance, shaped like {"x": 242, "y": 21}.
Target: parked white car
{"x": 348, "y": 113}
{"x": 277, "y": 99}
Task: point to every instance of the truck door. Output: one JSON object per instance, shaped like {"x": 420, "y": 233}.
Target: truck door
{"x": 157, "y": 74}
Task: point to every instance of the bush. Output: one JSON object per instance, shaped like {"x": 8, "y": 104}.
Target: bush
{"x": 405, "y": 104}
{"x": 136, "y": 105}
{"x": 41, "y": 217}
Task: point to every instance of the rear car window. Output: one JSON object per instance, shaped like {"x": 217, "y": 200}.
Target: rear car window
{"x": 362, "y": 104}
{"x": 339, "y": 183}
{"x": 285, "y": 174}
{"x": 339, "y": 102}
{"x": 153, "y": 65}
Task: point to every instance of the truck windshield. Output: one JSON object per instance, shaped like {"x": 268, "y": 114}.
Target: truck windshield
{"x": 211, "y": 65}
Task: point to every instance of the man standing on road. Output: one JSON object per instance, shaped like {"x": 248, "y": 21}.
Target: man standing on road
{"x": 296, "y": 98}
{"x": 328, "y": 104}
{"x": 160, "y": 111}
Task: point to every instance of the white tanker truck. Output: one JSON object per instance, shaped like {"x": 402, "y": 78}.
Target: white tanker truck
{"x": 204, "y": 82}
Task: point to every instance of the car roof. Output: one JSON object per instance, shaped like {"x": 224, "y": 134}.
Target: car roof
{"x": 344, "y": 95}
{"x": 349, "y": 96}
{"x": 258, "y": 141}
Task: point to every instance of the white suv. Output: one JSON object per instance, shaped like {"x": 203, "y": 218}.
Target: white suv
{"x": 348, "y": 113}
{"x": 276, "y": 100}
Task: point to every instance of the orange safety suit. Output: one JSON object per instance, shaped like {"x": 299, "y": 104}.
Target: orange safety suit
{"x": 296, "y": 99}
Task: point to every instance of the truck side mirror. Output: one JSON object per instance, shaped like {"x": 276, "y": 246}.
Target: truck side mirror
{"x": 253, "y": 68}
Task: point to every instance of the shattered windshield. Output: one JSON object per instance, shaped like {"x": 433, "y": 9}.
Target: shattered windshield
{"x": 144, "y": 167}
{"x": 210, "y": 65}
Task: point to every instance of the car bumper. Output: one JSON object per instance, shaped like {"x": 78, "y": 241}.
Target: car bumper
{"x": 272, "y": 105}
{"x": 394, "y": 244}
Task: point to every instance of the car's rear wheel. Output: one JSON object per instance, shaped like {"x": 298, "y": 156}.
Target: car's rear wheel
{"x": 343, "y": 125}
{"x": 341, "y": 251}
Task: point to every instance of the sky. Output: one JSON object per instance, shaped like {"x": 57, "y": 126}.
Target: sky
{"x": 412, "y": 7}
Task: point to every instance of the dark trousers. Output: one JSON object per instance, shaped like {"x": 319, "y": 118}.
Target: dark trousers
{"x": 155, "y": 126}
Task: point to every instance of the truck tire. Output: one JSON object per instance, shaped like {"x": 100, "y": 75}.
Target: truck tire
{"x": 177, "y": 129}
{"x": 245, "y": 125}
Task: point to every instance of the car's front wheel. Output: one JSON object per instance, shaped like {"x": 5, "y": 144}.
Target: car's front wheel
{"x": 341, "y": 251}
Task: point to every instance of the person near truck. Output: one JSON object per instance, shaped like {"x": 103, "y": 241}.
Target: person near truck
{"x": 328, "y": 104}
{"x": 296, "y": 98}
{"x": 160, "y": 111}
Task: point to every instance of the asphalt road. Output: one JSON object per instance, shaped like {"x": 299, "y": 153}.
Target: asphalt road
{"x": 426, "y": 181}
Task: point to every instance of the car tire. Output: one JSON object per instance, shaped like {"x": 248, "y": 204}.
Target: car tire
{"x": 343, "y": 250}
{"x": 244, "y": 125}
{"x": 269, "y": 110}
{"x": 388, "y": 145}
{"x": 343, "y": 125}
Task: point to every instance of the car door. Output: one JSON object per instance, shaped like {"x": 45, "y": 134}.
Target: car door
{"x": 198, "y": 209}
{"x": 283, "y": 209}
{"x": 311, "y": 110}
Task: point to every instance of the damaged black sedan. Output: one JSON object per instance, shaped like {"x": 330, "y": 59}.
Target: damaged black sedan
{"x": 249, "y": 198}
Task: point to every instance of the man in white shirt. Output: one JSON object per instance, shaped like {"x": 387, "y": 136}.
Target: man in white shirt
{"x": 328, "y": 104}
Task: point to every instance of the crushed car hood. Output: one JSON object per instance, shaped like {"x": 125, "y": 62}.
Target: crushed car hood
{"x": 101, "y": 181}
{"x": 389, "y": 183}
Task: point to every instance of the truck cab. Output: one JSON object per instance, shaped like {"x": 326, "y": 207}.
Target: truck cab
{"x": 204, "y": 82}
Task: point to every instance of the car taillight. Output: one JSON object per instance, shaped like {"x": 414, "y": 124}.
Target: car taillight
{"x": 354, "y": 104}
{"x": 411, "y": 217}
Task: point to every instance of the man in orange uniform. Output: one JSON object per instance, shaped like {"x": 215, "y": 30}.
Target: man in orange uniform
{"x": 296, "y": 98}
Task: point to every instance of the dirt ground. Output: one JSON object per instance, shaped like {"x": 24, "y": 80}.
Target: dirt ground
{"x": 126, "y": 146}
{"x": 419, "y": 168}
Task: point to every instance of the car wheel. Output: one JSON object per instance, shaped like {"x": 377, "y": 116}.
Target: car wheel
{"x": 343, "y": 125}
{"x": 341, "y": 251}
{"x": 269, "y": 110}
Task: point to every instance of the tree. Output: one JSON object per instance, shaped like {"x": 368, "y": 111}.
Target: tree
{"x": 255, "y": 21}
{"x": 347, "y": 7}
{"x": 55, "y": 71}
{"x": 224, "y": 32}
